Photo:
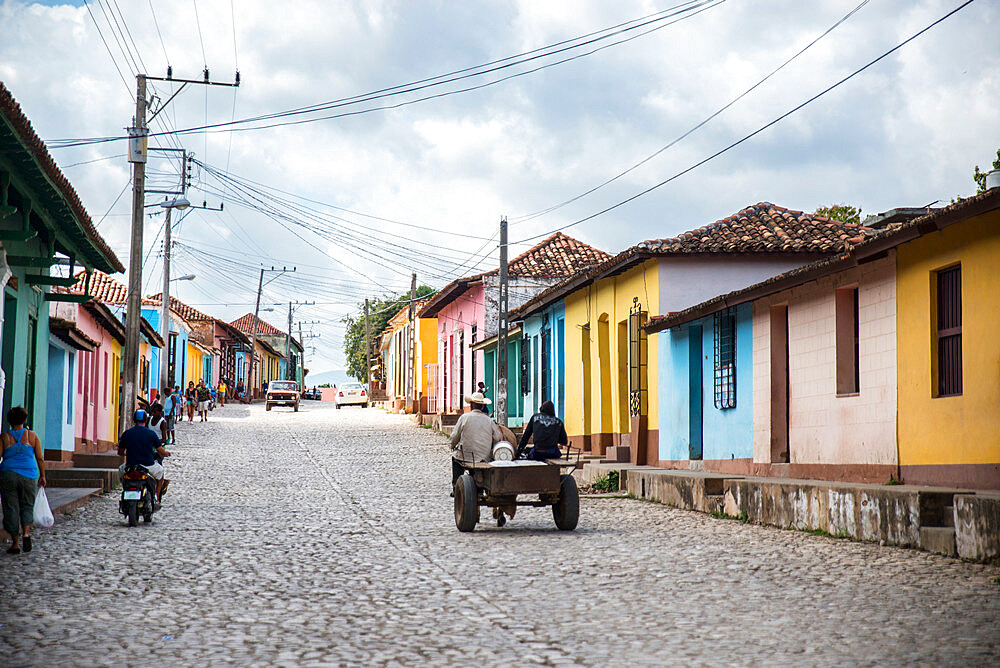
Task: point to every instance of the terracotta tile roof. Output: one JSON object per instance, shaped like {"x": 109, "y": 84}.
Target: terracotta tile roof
{"x": 245, "y": 325}
{"x": 103, "y": 288}
{"x": 101, "y": 256}
{"x": 873, "y": 245}
{"x": 764, "y": 228}
{"x": 185, "y": 311}
{"x": 557, "y": 256}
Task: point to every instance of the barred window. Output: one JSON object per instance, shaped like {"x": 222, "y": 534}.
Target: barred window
{"x": 949, "y": 332}
{"x": 525, "y": 365}
{"x": 725, "y": 359}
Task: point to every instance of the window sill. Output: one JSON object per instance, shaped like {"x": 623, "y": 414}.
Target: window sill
{"x": 841, "y": 395}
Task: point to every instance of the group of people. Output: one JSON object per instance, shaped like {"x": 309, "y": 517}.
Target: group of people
{"x": 476, "y": 433}
{"x": 200, "y": 399}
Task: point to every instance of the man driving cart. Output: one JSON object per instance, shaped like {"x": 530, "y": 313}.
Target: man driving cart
{"x": 474, "y": 436}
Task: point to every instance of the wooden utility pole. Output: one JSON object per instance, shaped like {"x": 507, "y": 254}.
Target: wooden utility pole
{"x": 253, "y": 338}
{"x": 368, "y": 350}
{"x": 501, "y": 410}
{"x": 288, "y": 347}
{"x": 411, "y": 389}
{"x": 303, "y": 357}
{"x": 137, "y": 156}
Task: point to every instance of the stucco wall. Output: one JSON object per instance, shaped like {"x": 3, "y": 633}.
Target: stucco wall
{"x": 611, "y": 299}
{"x": 533, "y": 330}
{"x": 688, "y": 280}
{"x": 459, "y": 316}
{"x": 726, "y": 433}
{"x": 823, "y": 427}
{"x": 962, "y": 429}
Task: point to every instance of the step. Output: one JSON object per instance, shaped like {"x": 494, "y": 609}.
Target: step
{"x": 104, "y": 460}
{"x": 940, "y": 540}
{"x": 616, "y": 454}
{"x": 65, "y": 499}
{"x": 83, "y": 477}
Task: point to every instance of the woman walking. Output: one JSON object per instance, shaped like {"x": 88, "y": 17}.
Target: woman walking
{"x": 191, "y": 395}
{"x": 22, "y": 470}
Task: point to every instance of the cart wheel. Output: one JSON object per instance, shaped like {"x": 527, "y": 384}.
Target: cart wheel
{"x": 566, "y": 509}
{"x": 466, "y": 503}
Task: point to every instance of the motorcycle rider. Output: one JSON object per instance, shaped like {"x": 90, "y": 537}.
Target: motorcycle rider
{"x": 140, "y": 445}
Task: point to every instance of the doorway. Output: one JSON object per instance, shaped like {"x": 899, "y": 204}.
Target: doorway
{"x": 779, "y": 385}
{"x": 695, "y": 393}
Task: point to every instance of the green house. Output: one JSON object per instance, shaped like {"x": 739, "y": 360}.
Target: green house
{"x": 42, "y": 224}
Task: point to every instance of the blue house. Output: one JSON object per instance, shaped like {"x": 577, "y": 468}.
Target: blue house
{"x": 706, "y": 387}
{"x": 543, "y": 359}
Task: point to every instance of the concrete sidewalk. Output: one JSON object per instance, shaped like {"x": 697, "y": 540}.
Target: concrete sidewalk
{"x": 955, "y": 522}
{"x": 62, "y": 500}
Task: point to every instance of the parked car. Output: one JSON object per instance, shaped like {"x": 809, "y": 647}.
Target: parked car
{"x": 351, "y": 394}
{"x": 282, "y": 393}
{"x": 312, "y": 393}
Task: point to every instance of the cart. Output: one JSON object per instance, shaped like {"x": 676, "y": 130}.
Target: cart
{"x": 499, "y": 484}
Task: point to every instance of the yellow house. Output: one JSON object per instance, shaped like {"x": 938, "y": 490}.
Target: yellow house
{"x": 113, "y": 385}
{"x": 948, "y": 292}
{"x": 610, "y": 363}
{"x": 195, "y": 362}
{"x": 411, "y": 373}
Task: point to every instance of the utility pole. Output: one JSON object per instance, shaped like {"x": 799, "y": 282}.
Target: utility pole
{"x": 501, "y": 412}
{"x": 137, "y": 156}
{"x": 368, "y": 349}
{"x": 253, "y": 338}
{"x": 302, "y": 341}
{"x": 288, "y": 346}
{"x": 256, "y": 320}
{"x": 138, "y": 134}
{"x": 411, "y": 389}
{"x": 165, "y": 294}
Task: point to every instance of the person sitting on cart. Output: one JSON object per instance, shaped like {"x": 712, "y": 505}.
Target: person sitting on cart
{"x": 548, "y": 432}
{"x": 474, "y": 436}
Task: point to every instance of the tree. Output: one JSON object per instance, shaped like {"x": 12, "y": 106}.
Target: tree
{"x": 381, "y": 309}
{"x": 842, "y": 212}
{"x": 980, "y": 177}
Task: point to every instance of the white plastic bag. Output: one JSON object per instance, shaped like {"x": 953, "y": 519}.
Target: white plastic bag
{"x": 43, "y": 514}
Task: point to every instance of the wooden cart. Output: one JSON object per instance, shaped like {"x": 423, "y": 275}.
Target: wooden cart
{"x": 498, "y": 485}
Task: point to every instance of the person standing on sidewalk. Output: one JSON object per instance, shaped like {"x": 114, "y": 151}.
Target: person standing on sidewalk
{"x": 204, "y": 395}
{"x": 22, "y": 471}
{"x": 223, "y": 388}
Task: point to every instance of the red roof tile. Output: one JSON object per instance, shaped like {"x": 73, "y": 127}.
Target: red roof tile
{"x": 245, "y": 325}
{"x": 185, "y": 311}
{"x": 764, "y": 228}
{"x": 103, "y": 288}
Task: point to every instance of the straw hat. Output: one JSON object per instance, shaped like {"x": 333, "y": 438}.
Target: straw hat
{"x": 478, "y": 398}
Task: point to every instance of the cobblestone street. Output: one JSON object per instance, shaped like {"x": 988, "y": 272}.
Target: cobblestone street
{"x": 327, "y": 537}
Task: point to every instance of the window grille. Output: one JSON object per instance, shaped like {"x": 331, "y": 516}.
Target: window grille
{"x": 461, "y": 367}
{"x": 949, "y": 331}
{"x": 725, "y": 358}
{"x": 636, "y": 360}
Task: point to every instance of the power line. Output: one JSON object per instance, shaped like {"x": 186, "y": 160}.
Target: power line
{"x": 525, "y": 218}
{"x": 684, "y": 11}
{"x": 755, "y": 132}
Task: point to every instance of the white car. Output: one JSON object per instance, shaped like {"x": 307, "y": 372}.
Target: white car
{"x": 351, "y": 393}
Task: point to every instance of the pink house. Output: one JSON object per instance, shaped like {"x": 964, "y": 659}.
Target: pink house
{"x": 467, "y": 311}
{"x": 100, "y": 336}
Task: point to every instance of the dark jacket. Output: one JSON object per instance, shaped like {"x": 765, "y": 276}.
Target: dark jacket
{"x": 548, "y": 433}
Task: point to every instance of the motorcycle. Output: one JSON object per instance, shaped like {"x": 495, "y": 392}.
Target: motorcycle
{"x": 138, "y": 495}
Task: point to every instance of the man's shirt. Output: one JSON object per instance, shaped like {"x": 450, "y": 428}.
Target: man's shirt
{"x": 140, "y": 444}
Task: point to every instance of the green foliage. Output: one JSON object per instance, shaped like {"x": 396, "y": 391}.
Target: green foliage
{"x": 381, "y": 309}
{"x": 606, "y": 483}
{"x": 893, "y": 481}
{"x": 980, "y": 177}
{"x": 723, "y": 515}
{"x": 842, "y": 212}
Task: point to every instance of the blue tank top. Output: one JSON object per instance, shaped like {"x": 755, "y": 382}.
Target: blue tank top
{"x": 20, "y": 457}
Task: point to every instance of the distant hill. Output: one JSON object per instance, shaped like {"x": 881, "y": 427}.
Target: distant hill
{"x": 335, "y": 377}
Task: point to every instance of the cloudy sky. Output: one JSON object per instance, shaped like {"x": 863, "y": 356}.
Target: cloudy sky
{"x": 359, "y": 201}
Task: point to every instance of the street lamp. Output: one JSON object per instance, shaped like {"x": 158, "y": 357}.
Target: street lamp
{"x": 180, "y": 203}
{"x": 185, "y": 277}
